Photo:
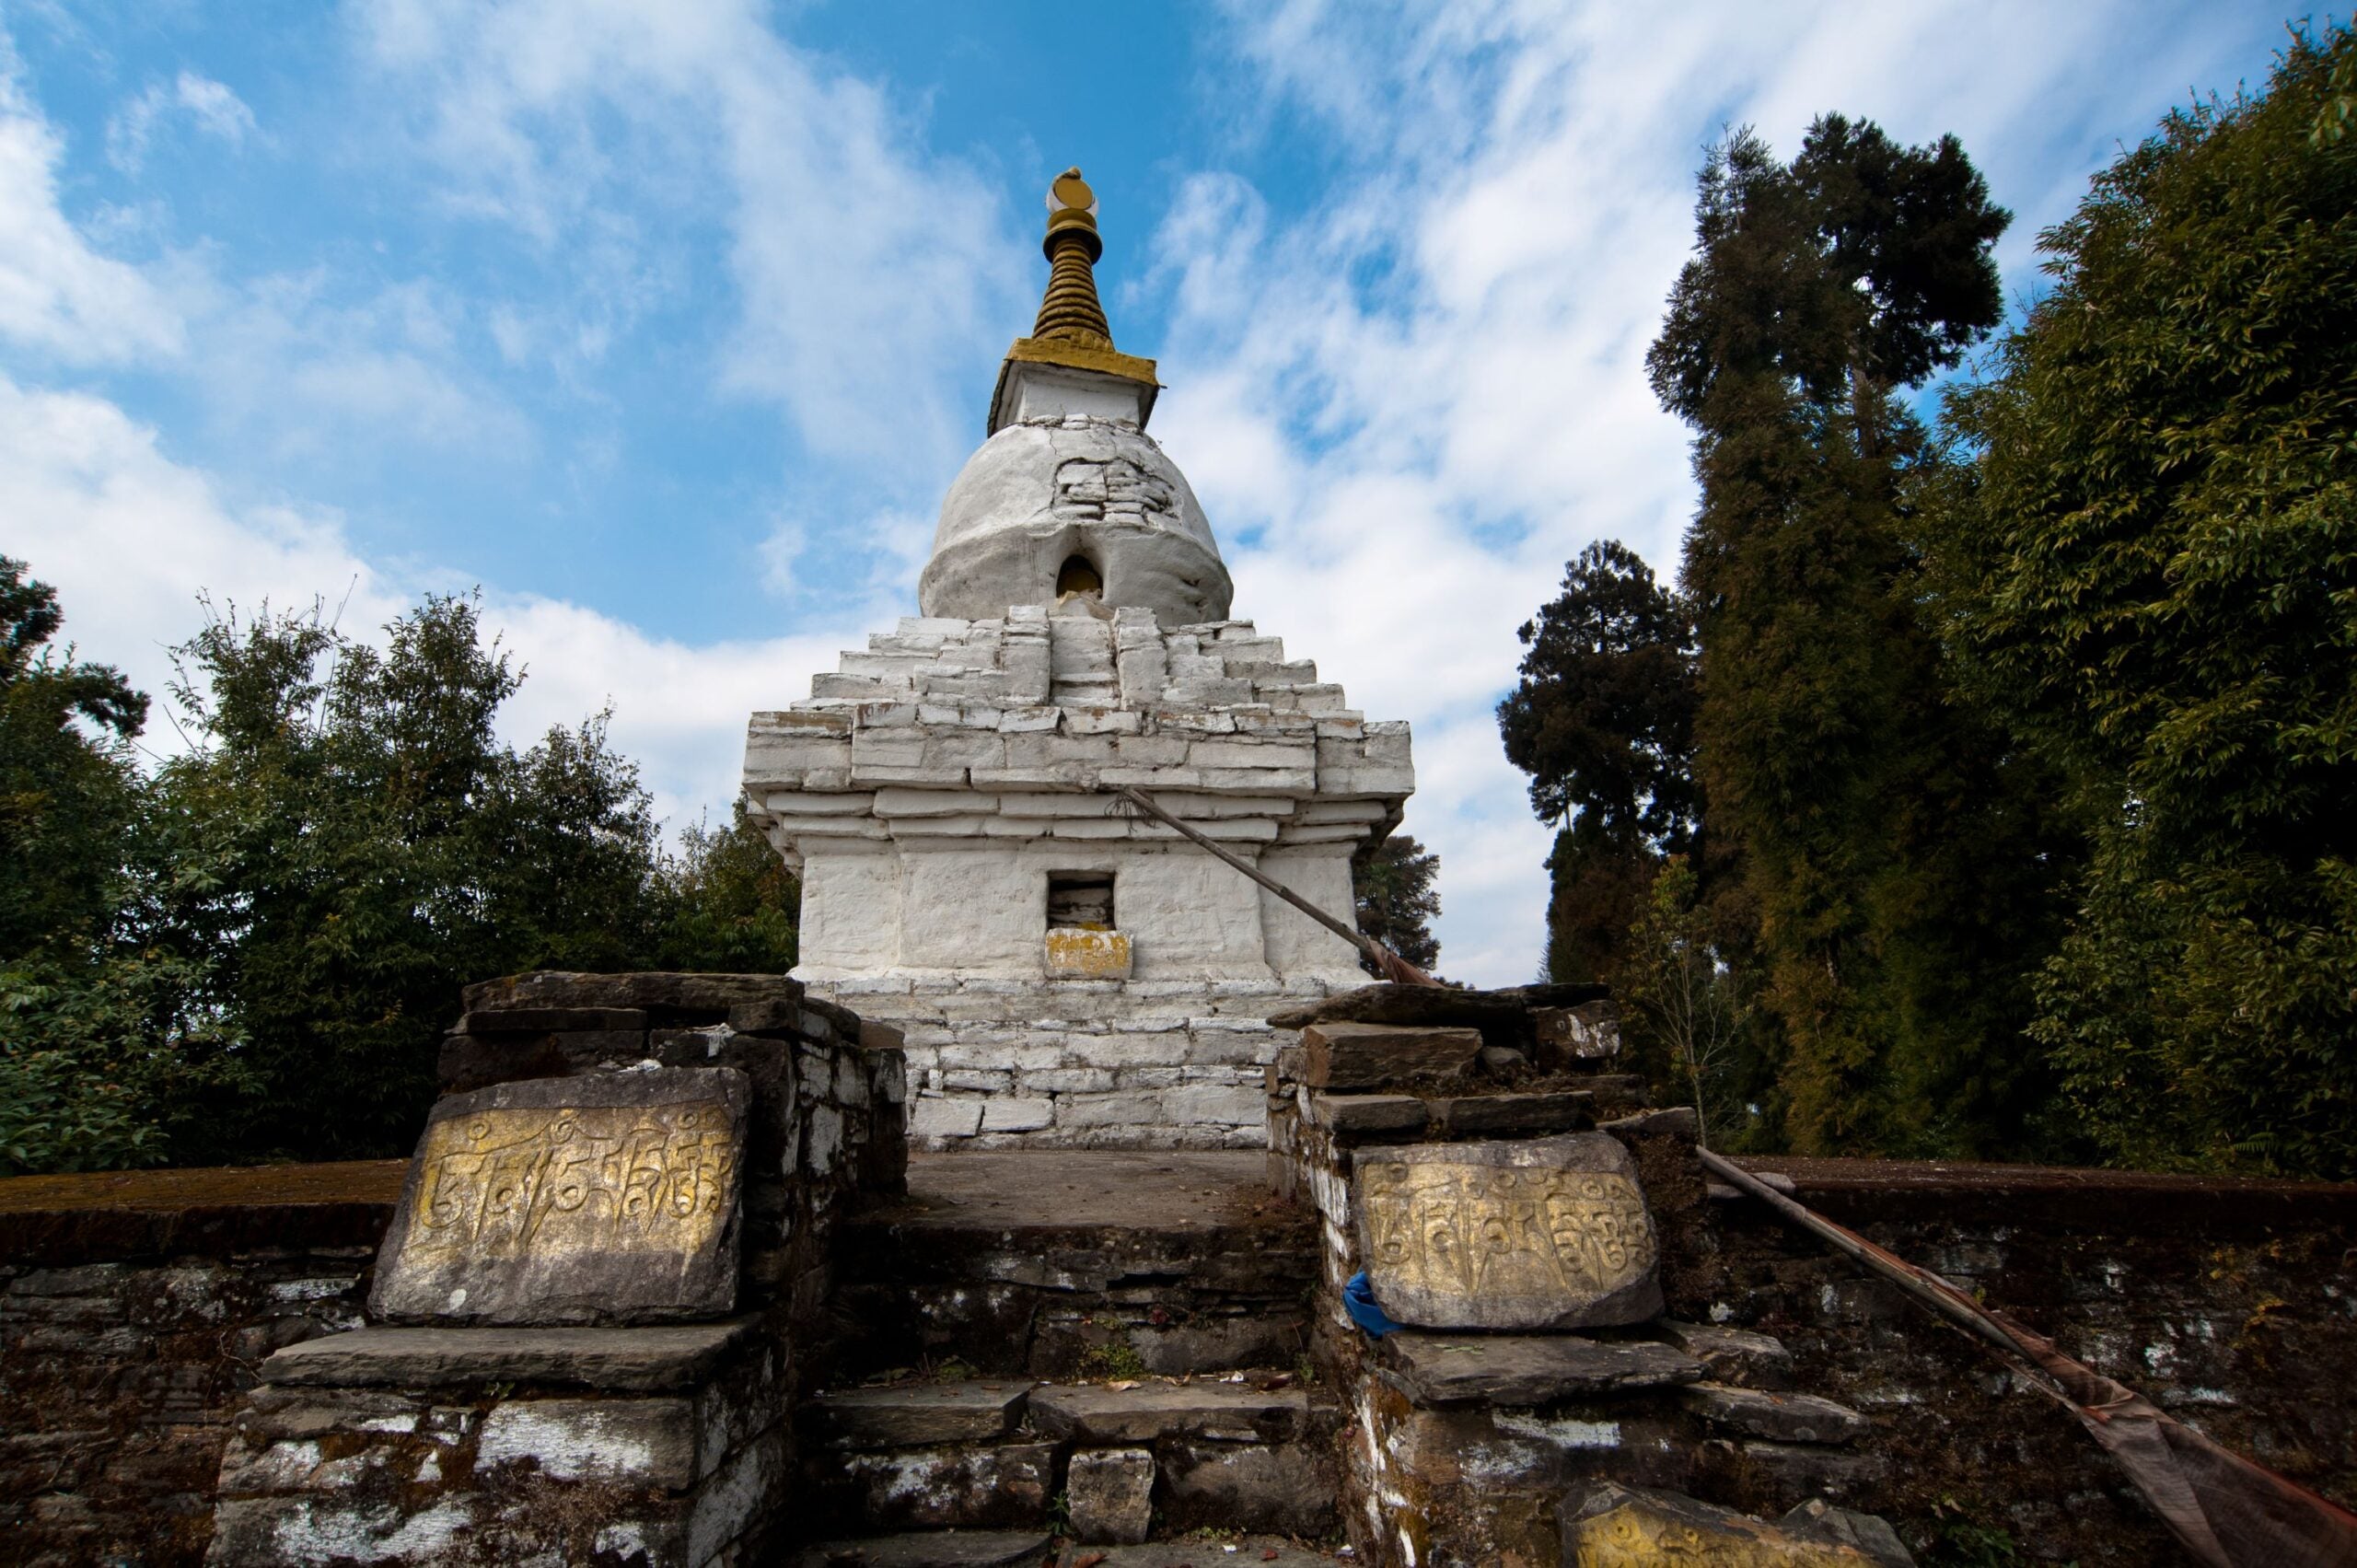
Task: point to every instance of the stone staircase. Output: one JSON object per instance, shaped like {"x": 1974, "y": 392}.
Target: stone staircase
{"x": 1106, "y": 1346}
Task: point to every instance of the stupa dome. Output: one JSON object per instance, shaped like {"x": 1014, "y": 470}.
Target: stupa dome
{"x": 1052, "y": 505}
{"x": 1069, "y": 494}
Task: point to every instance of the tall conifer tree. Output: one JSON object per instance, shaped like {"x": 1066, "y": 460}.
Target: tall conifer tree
{"x": 1878, "y": 833}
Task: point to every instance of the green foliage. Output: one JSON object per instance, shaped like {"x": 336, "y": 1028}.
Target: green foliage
{"x": 1683, "y": 1013}
{"x": 1959, "y": 1540}
{"x": 252, "y": 953}
{"x": 1879, "y": 857}
{"x": 733, "y": 903}
{"x": 99, "y": 1038}
{"x": 1602, "y": 719}
{"x": 1397, "y": 901}
{"x": 2152, "y": 572}
{"x": 103, "y": 1062}
{"x": 67, "y": 786}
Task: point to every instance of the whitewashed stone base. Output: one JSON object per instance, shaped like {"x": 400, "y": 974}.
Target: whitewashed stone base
{"x": 1091, "y": 1064}
{"x": 938, "y": 790}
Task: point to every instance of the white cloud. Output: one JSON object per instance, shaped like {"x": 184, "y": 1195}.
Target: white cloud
{"x": 209, "y": 105}
{"x": 58, "y": 295}
{"x": 1400, "y": 467}
{"x": 867, "y": 271}
{"x": 130, "y": 538}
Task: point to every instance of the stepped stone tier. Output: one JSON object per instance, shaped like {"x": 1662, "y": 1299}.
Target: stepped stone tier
{"x": 1065, "y": 971}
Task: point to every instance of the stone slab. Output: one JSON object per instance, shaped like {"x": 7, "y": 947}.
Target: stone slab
{"x": 956, "y": 1486}
{"x": 669, "y": 993}
{"x": 612, "y": 1198}
{"x": 1102, "y": 1414}
{"x": 1351, "y": 1056}
{"x": 1360, "y": 1115}
{"x": 912, "y": 1415}
{"x": 1818, "y": 1520}
{"x": 1283, "y": 1487}
{"x": 1430, "y": 1004}
{"x": 1608, "y": 1525}
{"x": 1538, "y": 1115}
{"x": 1514, "y": 1369}
{"x": 1589, "y": 1032}
{"x": 932, "y": 1548}
{"x": 622, "y": 1360}
{"x": 552, "y": 1020}
{"x": 1780, "y": 1418}
{"x": 1260, "y": 1552}
{"x": 1110, "y": 1495}
{"x": 1544, "y": 1233}
{"x": 1741, "y": 1356}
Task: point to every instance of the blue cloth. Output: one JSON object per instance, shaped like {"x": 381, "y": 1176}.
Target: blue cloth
{"x": 1358, "y": 1300}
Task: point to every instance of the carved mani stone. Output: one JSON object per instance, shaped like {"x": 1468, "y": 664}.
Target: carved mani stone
{"x": 1547, "y": 1233}
{"x": 1609, "y": 1525}
{"x": 611, "y": 1198}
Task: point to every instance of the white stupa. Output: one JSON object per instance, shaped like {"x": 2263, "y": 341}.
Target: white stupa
{"x": 1065, "y": 971}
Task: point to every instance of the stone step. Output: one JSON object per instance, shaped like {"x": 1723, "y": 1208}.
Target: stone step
{"x": 1093, "y": 1414}
{"x": 1077, "y": 1264}
{"x": 1251, "y": 1552}
{"x": 1740, "y": 1356}
{"x": 1780, "y": 1418}
{"x": 934, "y": 1549}
{"x": 990, "y": 1453}
{"x": 1435, "y": 1370}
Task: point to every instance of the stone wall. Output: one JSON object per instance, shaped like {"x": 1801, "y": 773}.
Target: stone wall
{"x": 932, "y": 790}
{"x": 177, "y": 1377}
{"x": 2233, "y": 1305}
{"x": 1780, "y": 1377}
{"x": 135, "y": 1310}
{"x": 1093, "y": 1063}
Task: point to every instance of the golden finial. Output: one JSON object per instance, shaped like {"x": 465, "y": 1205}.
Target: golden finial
{"x": 1071, "y": 313}
{"x": 1071, "y": 346}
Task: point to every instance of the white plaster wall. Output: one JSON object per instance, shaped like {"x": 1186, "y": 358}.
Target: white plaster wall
{"x": 1299, "y": 946}
{"x": 1188, "y": 916}
{"x": 1048, "y": 391}
{"x": 981, "y": 909}
{"x": 850, "y": 910}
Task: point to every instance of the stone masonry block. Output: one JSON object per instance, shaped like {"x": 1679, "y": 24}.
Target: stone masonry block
{"x": 1111, "y": 1495}
{"x": 631, "y": 1441}
{"x": 931, "y": 1116}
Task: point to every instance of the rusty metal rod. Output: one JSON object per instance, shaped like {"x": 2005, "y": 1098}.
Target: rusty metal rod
{"x": 1925, "y": 1286}
{"x": 1386, "y": 961}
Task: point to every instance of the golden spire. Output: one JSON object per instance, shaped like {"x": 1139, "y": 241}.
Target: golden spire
{"x": 1071, "y": 313}
{"x": 1069, "y": 364}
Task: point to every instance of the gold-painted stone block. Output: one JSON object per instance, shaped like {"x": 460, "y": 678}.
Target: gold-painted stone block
{"x": 1077, "y": 953}
{"x": 1608, "y": 1526}
{"x": 608, "y": 1199}
{"x": 1544, "y": 1233}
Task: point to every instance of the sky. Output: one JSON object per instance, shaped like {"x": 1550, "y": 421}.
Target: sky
{"x": 666, "y": 324}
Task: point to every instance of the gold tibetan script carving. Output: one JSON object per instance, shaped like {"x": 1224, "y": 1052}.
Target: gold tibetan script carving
{"x": 1633, "y": 1536}
{"x": 1469, "y": 1230}
{"x": 610, "y": 1180}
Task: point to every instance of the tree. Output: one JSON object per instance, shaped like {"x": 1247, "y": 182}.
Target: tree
{"x": 1685, "y": 1017}
{"x": 1883, "y": 843}
{"x": 733, "y": 903}
{"x": 68, "y": 784}
{"x": 2151, "y": 571}
{"x": 1397, "y": 901}
{"x": 355, "y": 844}
{"x": 1603, "y": 720}
{"x": 96, "y": 1033}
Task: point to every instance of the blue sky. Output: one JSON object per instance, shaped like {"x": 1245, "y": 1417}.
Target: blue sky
{"x": 666, "y": 324}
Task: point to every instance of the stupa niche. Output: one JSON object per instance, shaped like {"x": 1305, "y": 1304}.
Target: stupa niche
{"x": 1064, "y": 971}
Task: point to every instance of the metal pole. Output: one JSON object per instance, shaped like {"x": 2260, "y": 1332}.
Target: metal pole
{"x": 1391, "y": 965}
